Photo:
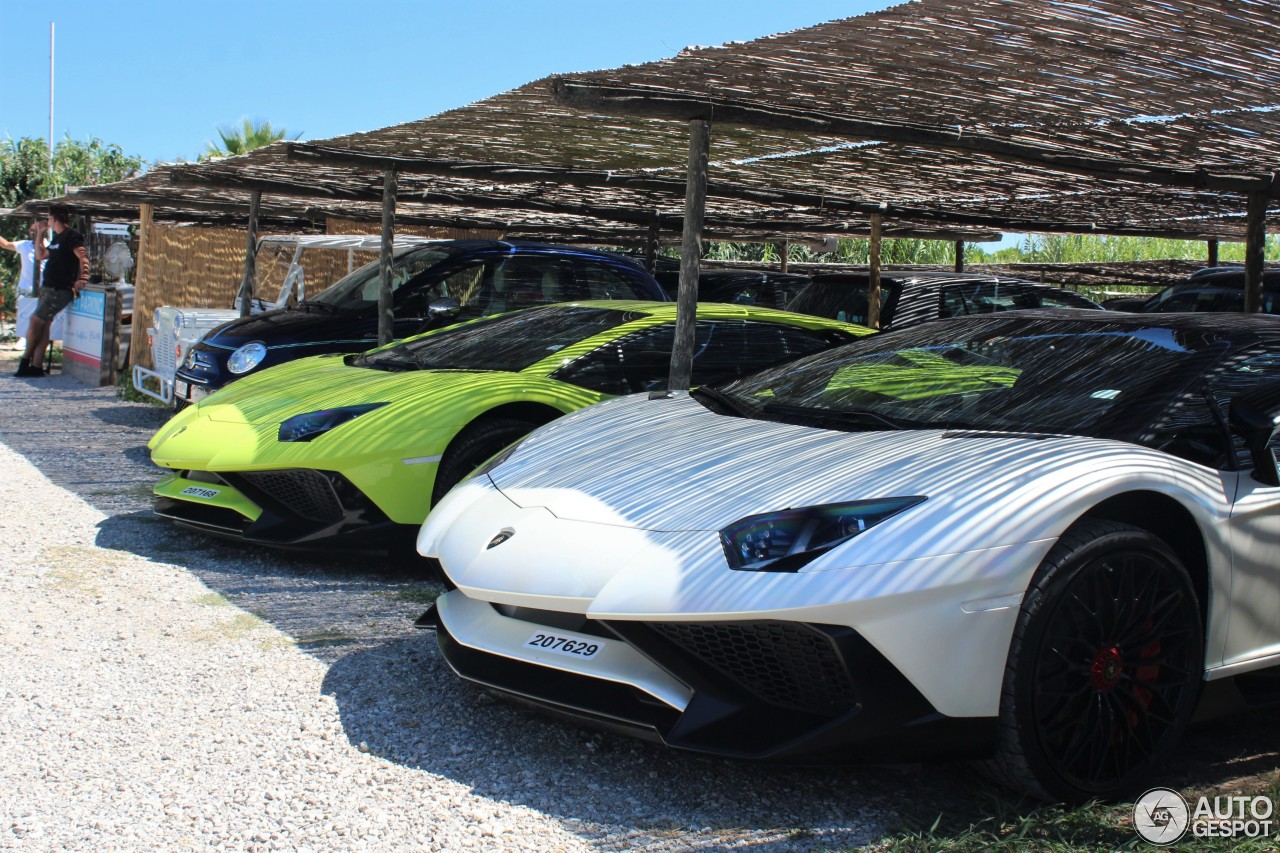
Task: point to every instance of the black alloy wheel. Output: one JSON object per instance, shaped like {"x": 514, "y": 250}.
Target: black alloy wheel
{"x": 1105, "y": 667}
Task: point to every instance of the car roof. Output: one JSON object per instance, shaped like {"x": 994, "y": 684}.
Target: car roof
{"x": 710, "y": 311}
{"x": 1265, "y": 326}
{"x": 921, "y": 275}
{"x": 533, "y": 246}
{"x": 1226, "y": 279}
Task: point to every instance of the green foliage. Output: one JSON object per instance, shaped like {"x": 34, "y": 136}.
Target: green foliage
{"x": 25, "y": 175}
{"x": 1035, "y": 248}
{"x": 241, "y": 140}
{"x": 899, "y": 250}
{"x": 1081, "y": 248}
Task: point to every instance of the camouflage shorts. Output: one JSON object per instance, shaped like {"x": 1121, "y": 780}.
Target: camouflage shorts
{"x": 53, "y": 300}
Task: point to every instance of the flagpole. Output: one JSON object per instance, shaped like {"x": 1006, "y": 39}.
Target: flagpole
{"x": 51, "y": 97}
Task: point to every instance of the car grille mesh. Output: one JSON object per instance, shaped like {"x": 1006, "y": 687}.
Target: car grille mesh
{"x": 308, "y": 493}
{"x": 786, "y": 664}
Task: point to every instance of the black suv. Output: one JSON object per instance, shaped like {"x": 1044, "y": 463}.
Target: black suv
{"x": 908, "y": 298}
{"x": 434, "y": 283}
{"x": 1213, "y": 289}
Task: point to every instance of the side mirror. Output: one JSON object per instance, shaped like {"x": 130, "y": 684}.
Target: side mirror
{"x": 443, "y": 307}
{"x": 1253, "y": 416}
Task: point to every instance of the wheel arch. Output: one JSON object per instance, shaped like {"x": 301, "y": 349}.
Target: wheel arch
{"x": 1167, "y": 518}
{"x": 535, "y": 413}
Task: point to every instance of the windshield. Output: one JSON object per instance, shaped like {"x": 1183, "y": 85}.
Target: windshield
{"x": 837, "y": 299}
{"x": 1047, "y": 376}
{"x": 359, "y": 290}
{"x": 507, "y": 342}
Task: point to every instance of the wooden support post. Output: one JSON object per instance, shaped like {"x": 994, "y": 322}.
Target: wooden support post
{"x": 651, "y": 244}
{"x": 784, "y": 249}
{"x": 873, "y": 282}
{"x": 959, "y": 256}
{"x": 139, "y": 352}
{"x": 250, "y": 254}
{"x": 1255, "y": 242}
{"x": 386, "y": 312}
{"x": 1213, "y": 253}
{"x": 695, "y": 205}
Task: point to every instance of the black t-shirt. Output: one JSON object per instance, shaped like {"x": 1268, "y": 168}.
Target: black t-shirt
{"x": 63, "y": 267}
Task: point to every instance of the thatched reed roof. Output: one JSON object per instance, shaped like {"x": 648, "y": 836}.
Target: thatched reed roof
{"x": 951, "y": 119}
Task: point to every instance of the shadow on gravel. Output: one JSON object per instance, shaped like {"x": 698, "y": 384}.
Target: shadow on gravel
{"x": 400, "y": 701}
{"x": 144, "y": 416}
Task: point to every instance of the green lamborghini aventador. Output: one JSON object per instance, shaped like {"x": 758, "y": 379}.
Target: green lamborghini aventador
{"x": 352, "y": 451}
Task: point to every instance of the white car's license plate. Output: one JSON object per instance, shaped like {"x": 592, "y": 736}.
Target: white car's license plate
{"x": 574, "y": 647}
{"x": 200, "y": 492}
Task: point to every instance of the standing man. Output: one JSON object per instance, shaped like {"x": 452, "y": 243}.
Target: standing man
{"x": 65, "y": 272}
{"x": 26, "y": 251}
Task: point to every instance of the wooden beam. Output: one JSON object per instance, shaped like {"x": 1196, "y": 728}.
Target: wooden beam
{"x": 784, "y": 250}
{"x": 695, "y": 201}
{"x": 873, "y": 274}
{"x": 667, "y": 104}
{"x": 1254, "y": 246}
{"x": 386, "y": 310}
{"x": 1212, "y": 245}
{"x": 250, "y": 254}
{"x": 932, "y": 224}
{"x": 959, "y": 256}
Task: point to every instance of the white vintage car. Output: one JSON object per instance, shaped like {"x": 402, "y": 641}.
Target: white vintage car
{"x": 1033, "y": 539}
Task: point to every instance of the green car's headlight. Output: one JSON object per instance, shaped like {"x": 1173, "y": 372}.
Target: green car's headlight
{"x": 787, "y": 540}
{"x": 246, "y": 358}
{"x": 312, "y": 424}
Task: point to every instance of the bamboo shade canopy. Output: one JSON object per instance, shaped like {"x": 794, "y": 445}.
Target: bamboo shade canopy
{"x": 948, "y": 117}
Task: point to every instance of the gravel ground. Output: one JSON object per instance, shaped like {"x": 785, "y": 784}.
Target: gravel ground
{"x": 164, "y": 690}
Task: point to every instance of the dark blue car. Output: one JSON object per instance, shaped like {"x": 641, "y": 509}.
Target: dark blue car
{"x": 435, "y": 284}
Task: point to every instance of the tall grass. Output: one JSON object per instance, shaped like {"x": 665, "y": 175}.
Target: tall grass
{"x": 1034, "y": 248}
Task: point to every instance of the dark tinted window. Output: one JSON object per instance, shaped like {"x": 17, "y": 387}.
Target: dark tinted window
{"x": 1242, "y": 374}
{"x": 594, "y": 280}
{"x": 359, "y": 289}
{"x": 1200, "y": 300}
{"x": 724, "y": 349}
{"x": 983, "y": 298}
{"x": 839, "y": 300}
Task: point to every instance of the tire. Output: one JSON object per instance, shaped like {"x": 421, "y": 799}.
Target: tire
{"x": 179, "y": 405}
{"x": 1104, "y": 669}
{"x": 472, "y": 447}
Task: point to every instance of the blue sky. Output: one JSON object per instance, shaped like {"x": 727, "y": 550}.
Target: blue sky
{"x": 158, "y": 78}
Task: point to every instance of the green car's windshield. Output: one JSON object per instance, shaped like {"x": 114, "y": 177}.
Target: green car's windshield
{"x": 1103, "y": 380}
{"x": 359, "y": 290}
{"x": 506, "y": 342}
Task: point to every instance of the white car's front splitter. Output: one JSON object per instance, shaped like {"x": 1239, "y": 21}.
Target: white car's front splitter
{"x": 478, "y": 625}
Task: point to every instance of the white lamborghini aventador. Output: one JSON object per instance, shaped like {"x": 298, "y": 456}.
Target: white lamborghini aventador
{"x": 1029, "y": 539}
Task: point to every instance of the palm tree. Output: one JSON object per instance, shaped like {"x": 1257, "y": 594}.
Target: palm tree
{"x": 242, "y": 140}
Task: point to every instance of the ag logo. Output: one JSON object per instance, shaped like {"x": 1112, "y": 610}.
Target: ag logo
{"x": 1161, "y": 816}
{"x": 502, "y": 536}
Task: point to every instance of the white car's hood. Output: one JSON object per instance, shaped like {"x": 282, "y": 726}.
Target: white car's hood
{"x": 691, "y": 469}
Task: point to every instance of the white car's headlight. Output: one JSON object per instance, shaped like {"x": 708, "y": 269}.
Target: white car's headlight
{"x": 247, "y": 357}
{"x": 785, "y": 541}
